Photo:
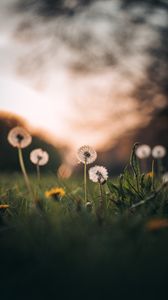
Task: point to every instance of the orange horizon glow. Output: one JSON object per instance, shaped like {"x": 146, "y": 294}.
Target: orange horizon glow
{"x": 68, "y": 117}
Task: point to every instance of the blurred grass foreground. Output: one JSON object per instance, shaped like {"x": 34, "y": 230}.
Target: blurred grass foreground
{"x": 59, "y": 247}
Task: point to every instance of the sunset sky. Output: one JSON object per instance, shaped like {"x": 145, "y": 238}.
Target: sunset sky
{"x": 81, "y": 74}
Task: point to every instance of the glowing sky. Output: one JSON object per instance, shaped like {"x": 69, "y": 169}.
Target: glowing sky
{"x": 57, "y": 73}
{"x": 36, "y": 107}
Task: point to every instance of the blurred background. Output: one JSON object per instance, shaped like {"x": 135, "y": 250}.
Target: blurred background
{"x": 77, "y": 72}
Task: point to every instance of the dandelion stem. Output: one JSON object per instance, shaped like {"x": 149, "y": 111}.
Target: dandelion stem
{"x": 101, "y": 195}
{"x": 24, "y": 169}
{"x": 153, "y": 175}
{"x": 85, "y": 183}
{"x": 38, "y": 172}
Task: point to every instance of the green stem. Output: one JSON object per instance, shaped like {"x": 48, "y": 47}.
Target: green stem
{"x": 101, "y": 196}
{"x": 134, "y": 162}
{"x": 38, "y": 173}
{"x": 153, "y": 175}
{"x": 24, "y": 170}
{"x": 137, "y": 181}
{"x": 138, "y": 193}
{"x": 85, "y": 183}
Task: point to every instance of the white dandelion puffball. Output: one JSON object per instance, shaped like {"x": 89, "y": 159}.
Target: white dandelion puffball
{"x": 86, "y": 154}
{"x": 165, "y": 177}
{"x": 158, "y": 151}
{"x": 39, "y": 157}
{"x": 88, "y": 205}
{"x": 143, "y": 151}
{"x": 19, "y": 137}
{"x": 98, "y": 174}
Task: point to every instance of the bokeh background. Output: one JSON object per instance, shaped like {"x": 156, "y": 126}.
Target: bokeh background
{"x": 77, "y": 72}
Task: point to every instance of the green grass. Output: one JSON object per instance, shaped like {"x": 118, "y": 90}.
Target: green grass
{"x": 62, "y": 249}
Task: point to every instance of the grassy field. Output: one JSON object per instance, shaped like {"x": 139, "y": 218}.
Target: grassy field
{"x": 62, "y": 248}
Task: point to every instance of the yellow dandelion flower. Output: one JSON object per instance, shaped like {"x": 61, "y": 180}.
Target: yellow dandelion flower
{"x": 55, "y": 193}
{"x": 2, "y": 206}
{"x": 150, "y": 174}
{"x": 156, "y": 224}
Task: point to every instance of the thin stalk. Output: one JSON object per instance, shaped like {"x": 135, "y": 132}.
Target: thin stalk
{"x": 153, "y": 175}
{"x": 38, "y": 172}
{"x": 134, "y": 165}
{"x": 24, "y": 170}
{"x": 101, "y": 196}
{"x": 137, "y": 181}
{"x": 138, "y": 193}
{"x": 85, "y": 183}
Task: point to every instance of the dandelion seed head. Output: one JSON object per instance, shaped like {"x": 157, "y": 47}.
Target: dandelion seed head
{"x": 19, "y": 137}
{"x": 165, "y": 177}
{"x": 143, "y": 151}
{"x": 86, "y": 154}
{"x": 88, "y": 205}
{"x": 158, "y": 151}
{"x": 39, "y": 157}
{"x": 98, "y": 174}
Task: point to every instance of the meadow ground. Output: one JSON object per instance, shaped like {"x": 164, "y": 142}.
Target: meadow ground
{"x": 60, "y": 248}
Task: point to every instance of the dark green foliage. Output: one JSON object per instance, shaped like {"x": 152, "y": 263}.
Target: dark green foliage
{"x": 134, "y": 191}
